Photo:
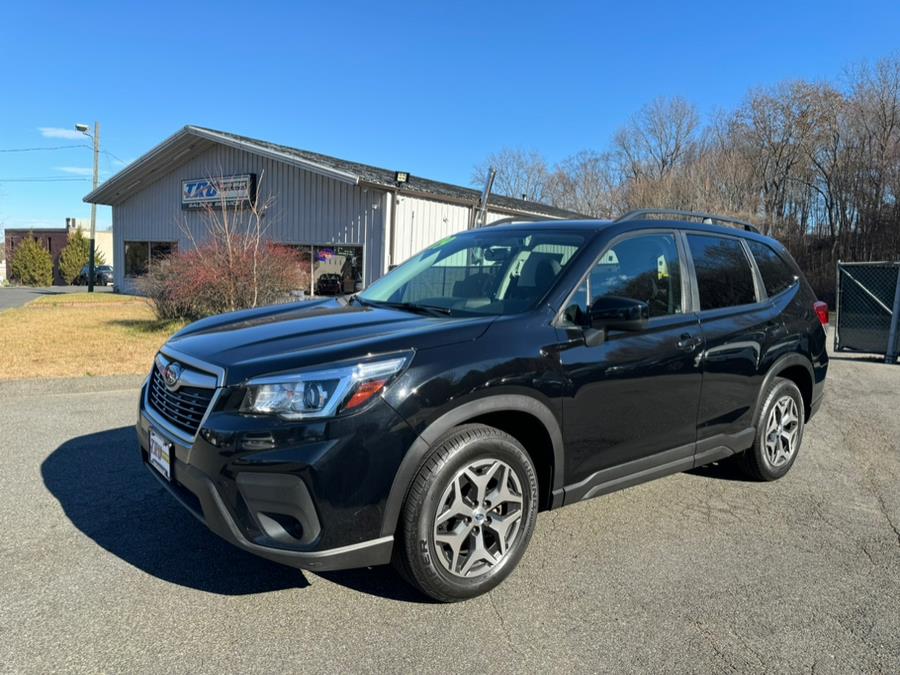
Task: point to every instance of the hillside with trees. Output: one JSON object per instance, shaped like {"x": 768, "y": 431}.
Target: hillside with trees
{"x": 815, "y": 164}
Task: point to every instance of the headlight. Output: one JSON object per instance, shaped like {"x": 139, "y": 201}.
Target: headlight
{"x": 321, "y": 393}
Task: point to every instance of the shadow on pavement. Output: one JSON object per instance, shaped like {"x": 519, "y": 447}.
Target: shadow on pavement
{"x": 106, "y": 492}
{"x": 726, "y": 470}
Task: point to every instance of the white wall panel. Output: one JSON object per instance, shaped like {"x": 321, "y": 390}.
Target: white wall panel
{"x": 421, "y": 222}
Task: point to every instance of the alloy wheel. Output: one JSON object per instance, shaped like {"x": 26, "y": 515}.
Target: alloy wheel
{"x": 782, "y": 431}
{"x": 478, "y": 518}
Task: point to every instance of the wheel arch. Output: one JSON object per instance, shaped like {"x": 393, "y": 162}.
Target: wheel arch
{"x": 501, "y": 411}
{"x": 799, "y": 370}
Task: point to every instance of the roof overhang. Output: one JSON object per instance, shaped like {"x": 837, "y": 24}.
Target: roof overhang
{"x": 183, "y": 146}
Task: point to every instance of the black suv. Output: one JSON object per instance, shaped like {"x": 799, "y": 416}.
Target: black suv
{"x": 103, "y": 275}
{"x": 500, "y": 372}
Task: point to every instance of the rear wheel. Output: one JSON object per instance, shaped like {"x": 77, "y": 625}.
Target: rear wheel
{"x": 779, "y": 432}
{"x": 469, "y": 514}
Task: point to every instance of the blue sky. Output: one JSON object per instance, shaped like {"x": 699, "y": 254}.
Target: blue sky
{"x": 430, "y": 88}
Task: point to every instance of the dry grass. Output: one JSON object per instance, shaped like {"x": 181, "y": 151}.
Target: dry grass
{"x": 74, "y": 335}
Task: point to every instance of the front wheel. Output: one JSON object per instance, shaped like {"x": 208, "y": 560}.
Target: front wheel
{"x": 469, "y": 514}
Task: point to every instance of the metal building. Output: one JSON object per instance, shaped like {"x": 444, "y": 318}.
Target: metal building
{"x": 375, "y": 218}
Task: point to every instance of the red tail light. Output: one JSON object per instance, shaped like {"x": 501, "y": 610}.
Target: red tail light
{"x": 821, "y": 309}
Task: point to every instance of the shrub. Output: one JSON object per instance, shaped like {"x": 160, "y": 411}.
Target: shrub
{"x": 231, "y": 272}
{"x": 76, "y": 255}
{"x": 32, "y": 264}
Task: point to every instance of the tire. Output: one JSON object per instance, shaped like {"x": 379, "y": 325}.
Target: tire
{"x": 779, "y": 433}
{"x": 451, "y": 547}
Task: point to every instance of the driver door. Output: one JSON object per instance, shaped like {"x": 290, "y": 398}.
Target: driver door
{"x": 633, "y": 399}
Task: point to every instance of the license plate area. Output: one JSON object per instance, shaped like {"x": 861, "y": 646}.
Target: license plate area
{"x": 160, "y": 454}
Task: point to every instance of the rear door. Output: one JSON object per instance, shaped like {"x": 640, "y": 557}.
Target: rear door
{"x": 740, "y": 326}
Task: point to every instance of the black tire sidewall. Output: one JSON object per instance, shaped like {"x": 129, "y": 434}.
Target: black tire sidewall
{"x": 779, "y": 388}
{"x": 426, "y": 569}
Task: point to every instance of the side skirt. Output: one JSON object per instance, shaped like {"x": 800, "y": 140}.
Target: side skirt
{"x": 675, "y": 460}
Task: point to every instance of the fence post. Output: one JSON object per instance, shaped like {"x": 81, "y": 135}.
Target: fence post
{"x": 891, "y": 354}
{"x": 837, "y": 306}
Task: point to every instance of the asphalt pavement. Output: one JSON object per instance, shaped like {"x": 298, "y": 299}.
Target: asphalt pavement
{"x": 16, "y": 296}
{"x": 698, "y": 572}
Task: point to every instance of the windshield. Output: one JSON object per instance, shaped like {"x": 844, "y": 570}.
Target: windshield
{"x": 479, "y": 272}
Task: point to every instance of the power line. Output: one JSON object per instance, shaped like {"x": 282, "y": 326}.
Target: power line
{"x": 44, "y": 179}
{"x": 46, "y": 147}
{"x": 115, "y": 157}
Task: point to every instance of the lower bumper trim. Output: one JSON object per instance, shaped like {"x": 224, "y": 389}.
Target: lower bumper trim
{"x": 216, "y": 517}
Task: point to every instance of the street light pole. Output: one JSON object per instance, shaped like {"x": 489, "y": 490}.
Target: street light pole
{"x": 94, "y": 207}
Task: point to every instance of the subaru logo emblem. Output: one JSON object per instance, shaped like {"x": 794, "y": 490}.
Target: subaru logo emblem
{"x": 171, "y": 375}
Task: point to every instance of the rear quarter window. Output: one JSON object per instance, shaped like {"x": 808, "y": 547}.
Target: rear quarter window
{"x": 777, "y": 275}
{"x": 724, "y": 275}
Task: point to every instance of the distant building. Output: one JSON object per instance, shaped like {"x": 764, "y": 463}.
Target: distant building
{"x": 103, "y": 241}
{"x": 329, "y": 208}
{"x": 54, "y": 239}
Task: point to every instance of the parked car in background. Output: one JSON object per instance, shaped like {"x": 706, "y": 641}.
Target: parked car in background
{"x": 500, "y": 372}
{"x": 329, "y": 284}
{"x": 103, "y": 276}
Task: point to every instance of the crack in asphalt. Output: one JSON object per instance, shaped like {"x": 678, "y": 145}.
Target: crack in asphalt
{"x": 884, "y": 510}
{"x": 509, "y": 641}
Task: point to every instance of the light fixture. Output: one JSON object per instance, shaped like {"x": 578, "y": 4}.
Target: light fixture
{"x": 401, "y": 176}
{"x": 83, "y": 128}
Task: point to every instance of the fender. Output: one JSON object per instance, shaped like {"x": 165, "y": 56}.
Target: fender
{"x": 782, "y": 362}
{"x": 426, "y": 440}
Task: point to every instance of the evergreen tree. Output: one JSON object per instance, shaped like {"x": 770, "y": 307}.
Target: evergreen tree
{"x": 32, "y": 264}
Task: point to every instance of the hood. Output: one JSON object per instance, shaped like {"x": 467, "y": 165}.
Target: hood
{"x": 281, "y": 338}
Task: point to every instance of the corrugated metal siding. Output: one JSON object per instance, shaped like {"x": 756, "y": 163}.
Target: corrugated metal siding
{"x": 307, "y": 208}
{"x": 421, "y": 222}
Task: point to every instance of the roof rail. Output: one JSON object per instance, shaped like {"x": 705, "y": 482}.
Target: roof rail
{"x": 711, "y": 217}
{"x": 512, "y": 220}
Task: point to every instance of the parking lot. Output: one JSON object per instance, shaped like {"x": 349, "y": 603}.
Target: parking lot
{"x": 700, "y": 571}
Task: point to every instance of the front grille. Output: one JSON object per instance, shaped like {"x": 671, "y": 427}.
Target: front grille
{"x": 184, "y": 408}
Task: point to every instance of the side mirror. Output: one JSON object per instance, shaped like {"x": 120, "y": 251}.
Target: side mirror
{"x": 618, "y": 313}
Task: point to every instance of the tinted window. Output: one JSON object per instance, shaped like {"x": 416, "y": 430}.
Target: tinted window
{"x": 724, "y": 277}
{"x": 642, "y": 268}
{"x": 776, "y": 274}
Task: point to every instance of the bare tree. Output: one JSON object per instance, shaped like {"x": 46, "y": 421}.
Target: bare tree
{"x": 520, "y": 174}
{"x": 587, "y": 183}
{"x": 657, "y": 139}
{"x": 236, "y": 233}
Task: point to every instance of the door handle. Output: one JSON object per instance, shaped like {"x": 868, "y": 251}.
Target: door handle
{"x": 688, "y": 343}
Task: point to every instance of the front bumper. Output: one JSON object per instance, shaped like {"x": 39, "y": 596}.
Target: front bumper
{"x": 307, "y": 495}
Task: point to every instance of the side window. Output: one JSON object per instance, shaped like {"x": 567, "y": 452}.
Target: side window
{"x": 643, "y": 268}
{"x": 776, "y": 273}
{"x": 724, "y": 275}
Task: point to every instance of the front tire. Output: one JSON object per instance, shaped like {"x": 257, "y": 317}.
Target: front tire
{"x": 469, "y": 514}
{"x": 779, "y": 432}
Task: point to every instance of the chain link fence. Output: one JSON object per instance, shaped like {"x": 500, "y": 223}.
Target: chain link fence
{"x": 868, "y": 308}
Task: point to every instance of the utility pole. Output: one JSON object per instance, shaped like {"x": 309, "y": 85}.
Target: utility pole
{"x": 83, "y": 128}
{"x": 481, "y": 218}
{"x": 94, "y": 207}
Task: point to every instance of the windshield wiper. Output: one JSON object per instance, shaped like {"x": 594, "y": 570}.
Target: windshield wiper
{"x": 434, "y": 310}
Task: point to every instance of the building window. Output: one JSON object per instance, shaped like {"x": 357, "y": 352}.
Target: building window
{"x": 140, "y": 254}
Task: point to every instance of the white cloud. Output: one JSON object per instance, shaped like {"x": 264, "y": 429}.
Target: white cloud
{"x": 57, "y": 132}
{"x": 75, "y": 170}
